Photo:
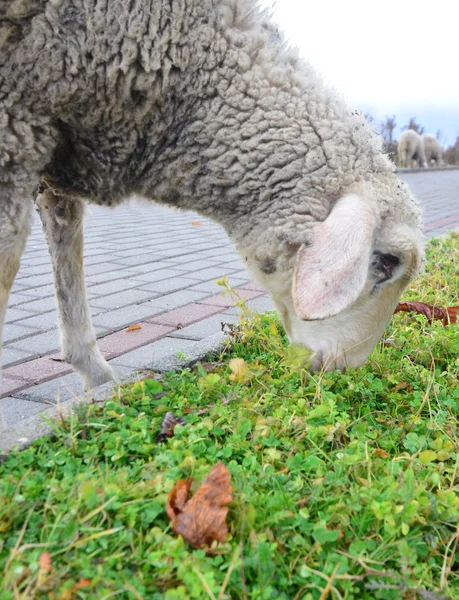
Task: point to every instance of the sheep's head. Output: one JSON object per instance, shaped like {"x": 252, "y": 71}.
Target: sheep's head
{"x": 346, "y": 282}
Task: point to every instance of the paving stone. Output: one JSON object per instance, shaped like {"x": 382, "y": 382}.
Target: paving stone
{"x": 9, "y": 386}
{"x": 252, "y": 286}
{"x": 145, "y": 356}
{"x": 112, "y": 273}
{"x": 210, "y": 287}
{"x": 166, "y": 286}
{"x": 153, "y": 276}
{"x": 31, "y": 261}
{"x": 39, "y": 344}
{"x": 205, "y": 328}
{"x": 122, "y": 317}
{"x": 242, "y": 274}
{"x": 169, "y": 301}
{"x": 54, "y": 391}
{"x": 38, "y": 305}
{"x": 15, "y": 409}
{"x": 111, "y": 287}
{"x": 15, "y": 331}
{"x": 44, "y": 321}
{"x": 142, "y": 261}
{"x": 18, "y": 287}
{"x": 99, "y": 267}
{"x": 96, "y": 260}
{"x": 120, "y": 342}
{"x": 210, "y": 273}
{"x": 39, "y": 292}
{"x": 223, "y": 253}
{"x": 11, "y": 356}
{"x": 260, "y": 305}
{"x": 226, "y": 300}
{"x": 185, "y": 315}
{"x": 15, "y": 299}
{"x": 63, "y": 388}
{"x": 15, "y": 314}
{"x": 39, "y": 370}
{"x": 35, "y": 281}
{"x": 200, "y": 264}
{"x": 124, "y": 298}
{"x": 34, "y": 270}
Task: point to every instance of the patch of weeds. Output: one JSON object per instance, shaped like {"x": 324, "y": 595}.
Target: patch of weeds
{"x": 345, "y": 485}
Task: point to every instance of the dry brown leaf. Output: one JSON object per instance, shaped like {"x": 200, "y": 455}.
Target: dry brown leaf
{"x": 240, "y": 372}
{"x": 196, "y": 223}
{"x": 403, "y": 385}
{"x": 380, "y": 452}
{"x": 134, "y": 327}
{"x": 446, "y": 315}
{"x": 202, "y": 519}
{"x": 83, "y": 583}
{"x": 45, "y": 562}
{"x": 168, "y": 426}
{"x": 178, "y": 497}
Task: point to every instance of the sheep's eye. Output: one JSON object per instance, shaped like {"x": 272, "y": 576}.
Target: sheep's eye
{"x": 385, "y": 265}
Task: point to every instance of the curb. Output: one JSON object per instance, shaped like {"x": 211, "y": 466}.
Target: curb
{"x": 25, "y": 432}
{"x": 427, "y": 169}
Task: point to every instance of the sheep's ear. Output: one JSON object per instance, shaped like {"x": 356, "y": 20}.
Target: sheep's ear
{"x": 332, "y": 269}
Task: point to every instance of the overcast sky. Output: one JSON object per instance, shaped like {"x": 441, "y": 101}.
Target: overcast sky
{"x": 390, "y": 57}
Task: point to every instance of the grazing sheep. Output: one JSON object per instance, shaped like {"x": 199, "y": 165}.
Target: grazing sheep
{"x": 432, "y": 150}
{"x": 199, "y": 105}
{"x": 410, "y": 148}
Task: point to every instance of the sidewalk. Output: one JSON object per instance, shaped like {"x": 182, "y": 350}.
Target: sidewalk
{"x": 155, "y": 267}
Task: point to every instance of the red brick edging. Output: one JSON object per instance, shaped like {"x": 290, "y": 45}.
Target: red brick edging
{"x": 45, "y": 368}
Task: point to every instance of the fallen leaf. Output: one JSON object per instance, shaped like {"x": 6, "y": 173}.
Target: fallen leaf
{"x": 56, "y": 359}
{"x": 239, "y": 370}
{"x": 178, "y": 497}
{"x": 402, "y": 386}
{"x": 168, "y": 426}
{"x": 202, "y": 519}
{"x": 380, "y": 452}
{"x": 134, "y": 327}
{"x": 427, "y": 456}
{"x": 446, "y": 315}
{"x": 83, "y": 583}
{"x": 196, "y": 223}
{"x": 45, "y": 562}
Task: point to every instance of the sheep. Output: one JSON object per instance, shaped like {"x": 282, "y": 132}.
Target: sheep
{"x": 432, "y": 150}
{"x": 411, "y": 147}
{"x": 200, "y": 105}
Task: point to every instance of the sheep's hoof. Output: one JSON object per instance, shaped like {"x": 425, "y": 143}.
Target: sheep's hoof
{"x": 94, "y": 372}
{"x": 98, "y": 376}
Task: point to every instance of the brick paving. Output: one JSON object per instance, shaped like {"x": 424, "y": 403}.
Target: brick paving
{"x": 149, "y": 265}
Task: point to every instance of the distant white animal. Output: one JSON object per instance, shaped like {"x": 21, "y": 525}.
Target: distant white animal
{"x": 199, "y": 105}
{"x": 432, "y": 150}
{"x": 411, "y": 148}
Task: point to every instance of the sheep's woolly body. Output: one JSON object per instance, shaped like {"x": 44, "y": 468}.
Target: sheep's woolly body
{"x": 432, "y": 149}
{"x": 195, "y": 104}
{"x": 411, "y": 147}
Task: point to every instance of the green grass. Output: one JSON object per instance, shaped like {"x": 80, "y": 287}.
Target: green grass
{"x": 345, "y": 486}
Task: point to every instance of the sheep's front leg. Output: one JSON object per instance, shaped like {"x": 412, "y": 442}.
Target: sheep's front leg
{"x": 14, "y": 229}
{"x": 62, "y": 220}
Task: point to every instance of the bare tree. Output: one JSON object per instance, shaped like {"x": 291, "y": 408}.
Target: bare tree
{"x": 387, "y": 129}
{"x": 451, "y": 154}
{"x": 414, "y": 126}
